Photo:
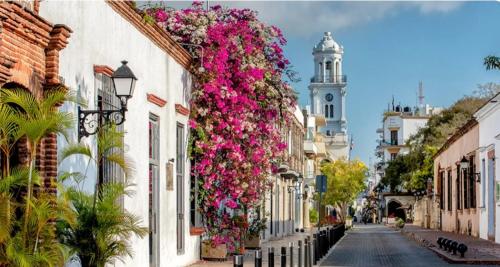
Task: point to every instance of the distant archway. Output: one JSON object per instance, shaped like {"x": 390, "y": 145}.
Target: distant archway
{"x": 394, "y": 208}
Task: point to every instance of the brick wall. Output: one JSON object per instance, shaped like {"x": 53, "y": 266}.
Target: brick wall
{"x": 29, "y": 58}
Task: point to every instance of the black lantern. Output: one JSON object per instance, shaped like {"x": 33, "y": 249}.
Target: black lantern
{"x": 124, "y": 83}
{"x": 464, "y": 163}
{"x": 90, "y": 121}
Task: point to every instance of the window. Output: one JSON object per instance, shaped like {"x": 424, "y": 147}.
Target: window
{"x": 441, "y": 189}
{"x": 328, "y": 65}
{"x": 465, "y": 188}
{"x": 483, "y": 182}
{"x": 194, "y": 214}
{"x": 393, "y": 156}
{"x": 449, "y": 191}
{"x": 459, "y": 189}
{"x": 472, "y": 182}
{"x": 394, "y": 137}
{"x": 106, "y": 99}
{"x": 179, "y": 168}
{"x": 328, "y": 133}
{"x": 271, "y": 222}
{"x": 326, "y": 111}
{"x": 331, "y": 111}
{"x": 154, "y": 186}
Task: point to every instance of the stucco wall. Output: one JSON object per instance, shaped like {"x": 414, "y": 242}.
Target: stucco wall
{"x": 103, "y": 37}
{"x": 464, "y": 220}
{"x": 489, "y": 142}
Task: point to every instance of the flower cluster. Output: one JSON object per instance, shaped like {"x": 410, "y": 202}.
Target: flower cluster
{"x": 238, "y": 106}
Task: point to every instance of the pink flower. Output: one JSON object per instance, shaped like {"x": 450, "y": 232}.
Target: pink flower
{"x": 231, "y": 204}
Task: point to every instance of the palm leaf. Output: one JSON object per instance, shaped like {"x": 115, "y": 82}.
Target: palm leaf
{"x": 492, "y": 62}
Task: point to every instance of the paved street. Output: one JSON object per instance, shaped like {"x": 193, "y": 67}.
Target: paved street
{"x": 377, "y": 245}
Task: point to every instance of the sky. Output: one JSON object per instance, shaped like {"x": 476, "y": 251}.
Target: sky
{"x": 388, "y": 48}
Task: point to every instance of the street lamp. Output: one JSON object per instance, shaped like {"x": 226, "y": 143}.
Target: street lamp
{"x": 90, "y": 121}
{"x": 464, "y": 164}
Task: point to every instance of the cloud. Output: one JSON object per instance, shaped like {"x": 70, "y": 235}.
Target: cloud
{"x": 308, "y": 18}
{"x": 437, "y": 7}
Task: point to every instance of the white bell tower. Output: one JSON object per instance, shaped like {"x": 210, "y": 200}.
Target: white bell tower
{"x": 328, "y": 92}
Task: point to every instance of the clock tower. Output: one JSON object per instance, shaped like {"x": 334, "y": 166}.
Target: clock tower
{"x": 328, "y": 92}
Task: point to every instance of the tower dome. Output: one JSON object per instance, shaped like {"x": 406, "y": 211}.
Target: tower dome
{"x": 327, "y": 43}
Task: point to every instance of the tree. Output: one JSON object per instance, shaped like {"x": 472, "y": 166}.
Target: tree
{"x": 492, "y": 62}
{"x": 27, "y": 232}
{"x": 36, "y": 118}
{"x": 345, "y": 179}
{"x": 103, "y": 228}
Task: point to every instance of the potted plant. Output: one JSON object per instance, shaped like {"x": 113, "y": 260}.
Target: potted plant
{"x": 212, "y": 251}
{"x": 252, "y": 239}
{"x": 400, "y": 223}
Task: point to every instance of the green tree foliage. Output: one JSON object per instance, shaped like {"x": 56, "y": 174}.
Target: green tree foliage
{"x": 411, "y": 171}
{"x": 346, "y": 179}
{"x": 492, "y": 62}
{"x": 313, "y": 216}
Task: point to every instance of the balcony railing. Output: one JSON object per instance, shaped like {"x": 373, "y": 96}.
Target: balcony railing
{"x": 337, "y": 79}
{"x": 389, "y": 143}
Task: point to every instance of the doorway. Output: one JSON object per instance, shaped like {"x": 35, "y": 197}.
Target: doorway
{"x": 491, "y": 195}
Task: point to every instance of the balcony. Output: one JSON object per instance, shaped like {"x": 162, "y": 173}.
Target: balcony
{"x": 310, "y": 148}
{"x": 335, "y": 79}
{"x": 386, "y": 143}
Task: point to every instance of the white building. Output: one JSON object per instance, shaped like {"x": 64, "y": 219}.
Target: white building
{"x": 104, "y": 33}
{"x": 398, "y": 125}
{"x": 488, "y": 117}
{"x": 328, "y": 93}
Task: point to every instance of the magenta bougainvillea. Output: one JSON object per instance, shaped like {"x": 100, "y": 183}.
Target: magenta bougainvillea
{"x": 239, "y": 103}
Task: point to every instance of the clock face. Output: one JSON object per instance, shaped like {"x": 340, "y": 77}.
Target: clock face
{"x": 329, "y": 97}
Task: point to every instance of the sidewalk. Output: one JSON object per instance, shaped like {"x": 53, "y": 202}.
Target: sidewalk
{"x": 277, "y": 244}
{"x": 479, "y": 251}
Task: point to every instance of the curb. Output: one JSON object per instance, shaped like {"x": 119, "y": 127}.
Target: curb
{"x": 446, "y": 256}
{"x": 331, "y": 250}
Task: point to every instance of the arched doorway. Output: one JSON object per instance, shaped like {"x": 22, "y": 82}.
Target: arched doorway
{"x": 394, "y": 209}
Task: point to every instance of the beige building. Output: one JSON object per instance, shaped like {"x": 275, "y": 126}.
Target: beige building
{"x": 282, "y": 207}
{"x": 457, "y": 194}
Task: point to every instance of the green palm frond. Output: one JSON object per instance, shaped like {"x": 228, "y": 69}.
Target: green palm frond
{"x": 492, "y": 62}
{"x": 76, "y": 149}
{"x": 78, "y": 177}
{"x": 101, "y": 235}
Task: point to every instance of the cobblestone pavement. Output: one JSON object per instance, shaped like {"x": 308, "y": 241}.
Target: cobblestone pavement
{"x": 377, "y": 245}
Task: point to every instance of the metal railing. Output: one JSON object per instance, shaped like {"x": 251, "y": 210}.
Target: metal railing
{"x": 338, "y": 79}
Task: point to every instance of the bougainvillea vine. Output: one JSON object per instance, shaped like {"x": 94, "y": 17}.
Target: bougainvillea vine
{"x": 238, "y": 106}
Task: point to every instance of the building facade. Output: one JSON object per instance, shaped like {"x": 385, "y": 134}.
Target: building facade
{"x": 105, "y": 33}
{"x": 456, "y": 187}
{"x": 488, "y": 117}
{"x": 399, "y": 123}
{"x": 328, "y": 95}
{"x": 315, "y": 152}
{"x": 283, "y": 207}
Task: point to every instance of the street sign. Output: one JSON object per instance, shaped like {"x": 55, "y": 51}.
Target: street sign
{"x": 321, "y": 183}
